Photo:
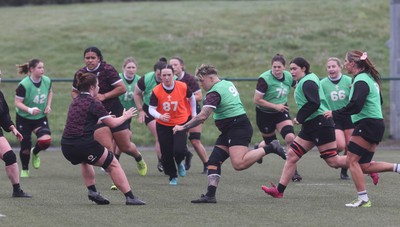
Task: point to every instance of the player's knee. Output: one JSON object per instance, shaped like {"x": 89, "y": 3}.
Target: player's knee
{"x": 43, "y": 131}
{"x": 287, "y": 133}
{"x": 26, "y": 145}
{"x": 25, "y": 151}
{"x": 340, "y": 145}
{"x": 194, "y": 136}
{"x": 217, "y": 157}
{"x": 44, "y": 143}
{"x": 9, "y": 158}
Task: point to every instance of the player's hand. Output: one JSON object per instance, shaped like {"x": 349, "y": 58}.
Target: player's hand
{"x": 34, "y": 111}
{"x": 281, "y": 107}
{"x": 295, "y": 121}
{"x": 134, "y": 111}
{"x": 142, "y": 116}
{"x": 17, "y": 133}
{"x": 47, "y": 110}
{"x": 177, "y": 128}
{"x": 101, "y": 97}
{"x": 328, "y": 114}
{"x": 165, "y": 117}
{"x": 129, "y": 113}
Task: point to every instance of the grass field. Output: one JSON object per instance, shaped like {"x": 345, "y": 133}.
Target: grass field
{"x": 60, "y": 197}
{"x": 238, "y": 37}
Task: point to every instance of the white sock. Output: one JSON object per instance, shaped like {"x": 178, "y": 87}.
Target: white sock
{"x": 363, "y": 196}
{"x": 396, "y": 168}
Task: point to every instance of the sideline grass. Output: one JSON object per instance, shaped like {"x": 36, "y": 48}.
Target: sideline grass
{"x": 60, "y": 197}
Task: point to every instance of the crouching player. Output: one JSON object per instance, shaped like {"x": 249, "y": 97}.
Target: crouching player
{"x": 78, "y": 144}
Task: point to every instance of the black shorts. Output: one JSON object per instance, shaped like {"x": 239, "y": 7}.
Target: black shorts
{"x": 77, "y": 152}
{"x": 370, "y": 129}
{"x": 266, "y": 122}
{"x": 149, "y": 118}
{"x": 238, "y": 133}
{"x": 319, "y": 130}
{"x": 26, "y": 126}
{"x": 116, "y": 110}
{"x": 343, "y": 123}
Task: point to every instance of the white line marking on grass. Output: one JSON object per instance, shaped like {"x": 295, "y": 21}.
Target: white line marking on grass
{"x": 321, "y": 184}
{"x": 2, "y": 216}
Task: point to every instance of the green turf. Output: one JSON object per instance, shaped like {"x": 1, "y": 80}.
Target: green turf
{"x": 60, "y": 197}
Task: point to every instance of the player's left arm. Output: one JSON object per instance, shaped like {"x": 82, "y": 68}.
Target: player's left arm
{"x": 49, "y": 101}
{"x": 119, "y": 89}
{"x": 205, "y": 112}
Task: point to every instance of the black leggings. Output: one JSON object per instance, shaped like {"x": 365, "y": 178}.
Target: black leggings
{"x": 173, "y": 148}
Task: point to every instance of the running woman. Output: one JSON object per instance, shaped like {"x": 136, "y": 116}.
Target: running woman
{"x": 336, "y": 87}
{"x": 194, "y": 133}
{"x": 223, "y": 101}
{"x": 142, "y": 94}
{"x": 272, "y": 111}
{"x": 169, "y": 105}
{"x": 33, "y": 99}
{"x": 365, "y": 108}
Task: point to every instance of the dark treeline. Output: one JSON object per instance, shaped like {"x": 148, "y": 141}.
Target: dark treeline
{"x": 47, "y": 2}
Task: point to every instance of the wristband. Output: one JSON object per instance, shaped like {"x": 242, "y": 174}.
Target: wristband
{"x": 30, "y": 111}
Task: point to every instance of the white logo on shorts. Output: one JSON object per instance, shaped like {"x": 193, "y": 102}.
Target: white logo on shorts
{"x": 90, "y": 157}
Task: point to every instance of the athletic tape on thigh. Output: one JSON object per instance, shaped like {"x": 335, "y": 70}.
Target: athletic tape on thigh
{"x": 298, "y": 149}
{"x": 329, "y": 153}
{"x": 108, "y": 160}
{"x": 194, "y": 136}
{"x": 366, "y": 155}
